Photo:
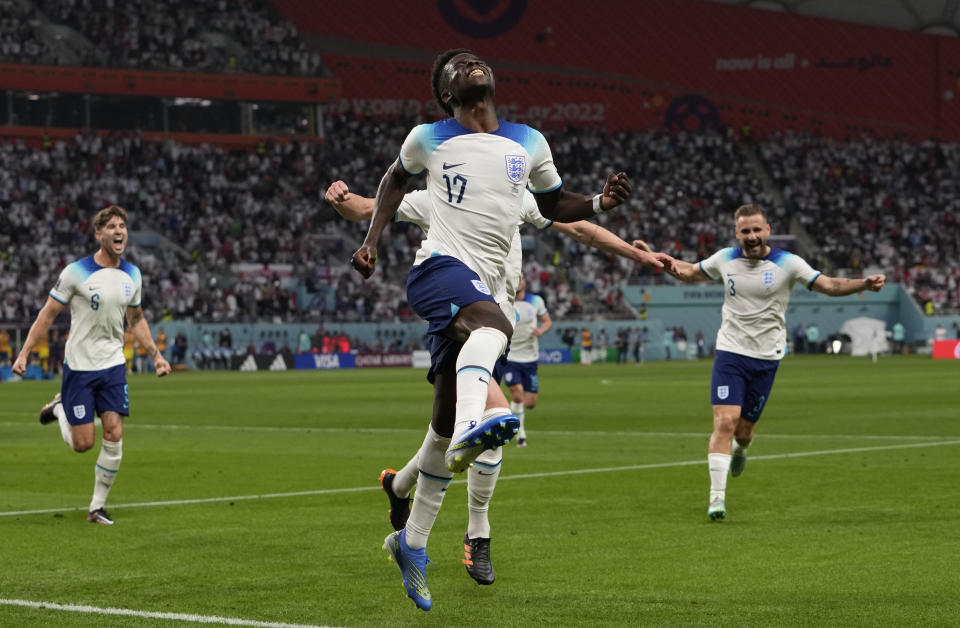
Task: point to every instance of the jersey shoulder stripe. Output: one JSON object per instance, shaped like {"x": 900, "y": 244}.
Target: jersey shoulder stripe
{"x": 83, "y": 268}
{"x": 522, "y": 134}
{"x": 130, "y": 269}
{"x": 780, "y": 257}
{"x": 424, "y": 139}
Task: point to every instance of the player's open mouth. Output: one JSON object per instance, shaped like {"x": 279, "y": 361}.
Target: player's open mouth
{"x": 476, "y": 72}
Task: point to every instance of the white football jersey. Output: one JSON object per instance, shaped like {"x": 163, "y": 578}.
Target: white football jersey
{"x": 475, "y": 185}
{"x": 756, "y": 294}
{"x": 532, "y": 216}
{"x": 524, "y": 346}
{"x": 415, "y": 208}
{"x": 98, "y": 298}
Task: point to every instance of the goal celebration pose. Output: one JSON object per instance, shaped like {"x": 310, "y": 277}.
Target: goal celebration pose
{"x": 758, "y": 281}
{"x": 102, "y": 290}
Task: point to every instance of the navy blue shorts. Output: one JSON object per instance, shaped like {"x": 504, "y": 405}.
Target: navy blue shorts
{"x": 84, "y": 393}
{"x": 439, "y": 287}
{"x": 523, "y": 373}
{"x": 443, "y": 358}
{"x": 741, "y": 381}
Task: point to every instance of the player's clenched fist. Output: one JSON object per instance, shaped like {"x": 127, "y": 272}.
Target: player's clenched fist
{"x": 364, "y": 261}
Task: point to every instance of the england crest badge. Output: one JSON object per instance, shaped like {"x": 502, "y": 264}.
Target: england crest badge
{"x": 79, "y": 412}
{"x": 723, "y": 392}
{"x": 516, "y": 167}
{"x": 480, "y": 286}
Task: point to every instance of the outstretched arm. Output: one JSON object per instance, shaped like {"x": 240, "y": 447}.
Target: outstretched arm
{"x": 839, "y": 286}
{"x": 37, "y": 331}
{"x": 389, "y": 195}
{"x": 595, "y": 236}
{"x": 564, "y": 206}
{"x": 685, "y": 271}
{"x": 349, "y": 205}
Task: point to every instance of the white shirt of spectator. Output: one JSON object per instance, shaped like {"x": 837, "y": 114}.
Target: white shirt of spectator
{"x": 475, "y": 185}
{"x": 415, "y": 208}
{"x": 98, "y": 298}
{"x": 756, "y": 294}
{"x": 524, "y": 346}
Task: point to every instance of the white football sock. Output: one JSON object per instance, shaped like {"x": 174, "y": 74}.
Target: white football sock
{"x": 406, "y": 478}
{"x": 719, "y": 467}
{"x": 432, "y": 482}
{"x": 66, "y": 430}
{"x": 474, "y": 366}
{"x": 517, "y": 410}
{"x": 481, "y": 480}
{"x": 108, "y": 463}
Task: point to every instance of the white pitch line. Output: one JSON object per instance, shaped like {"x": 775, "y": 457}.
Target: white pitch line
{"x": 687, "y": 463}
{"x": 521, "y": 476}
{"x": 203, "y": 500}
{"x": 393, "y": 430}
{"x": 200, "y": 619}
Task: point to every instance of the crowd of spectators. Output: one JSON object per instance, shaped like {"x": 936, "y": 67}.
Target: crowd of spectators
{"x": 890, "y": 205}
{"x": 19, "y": 42}
{"x": 686, "y": 186}
{"x": 220, "y": 213}
{"x": 197, "y": 35}
{"x": 213, "y": 209}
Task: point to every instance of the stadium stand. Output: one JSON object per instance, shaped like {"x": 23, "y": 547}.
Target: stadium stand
{"x": 245, "y": 36}
{"x": 874, "y": 203}
{"x": 212, "y": 210}
{"x": 18, "y": 38}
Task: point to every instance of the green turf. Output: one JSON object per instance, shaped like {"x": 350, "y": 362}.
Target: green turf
{"x": 866, "y": 536}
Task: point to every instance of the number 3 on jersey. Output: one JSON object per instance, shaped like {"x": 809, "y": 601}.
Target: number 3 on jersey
{"x": 452, "y": 185}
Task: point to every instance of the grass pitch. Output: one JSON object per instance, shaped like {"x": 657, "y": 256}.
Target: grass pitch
{"x": 254, "y": 496}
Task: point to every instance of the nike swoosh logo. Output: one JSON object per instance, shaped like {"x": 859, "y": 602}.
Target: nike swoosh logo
{"x": 482, "y": 473}
{"x": 731, "y": 274}
{"x": 447, "y": 166}
{"x": 92, "y": 288}
{"x": 485, "y": 381}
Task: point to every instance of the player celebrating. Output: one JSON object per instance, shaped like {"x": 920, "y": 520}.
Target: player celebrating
{"x": 533, "y": 321}
{"x": 477, "y": 168}
{"x": 101, "y": 290}
{"x": 482, "y": 477}
{"x": 758, "y": 281}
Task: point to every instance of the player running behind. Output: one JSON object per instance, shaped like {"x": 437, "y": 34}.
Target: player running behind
{"x": 102, "y": 290}
{"x": 758, "y": 280}
{"x": 521, "y": 378}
